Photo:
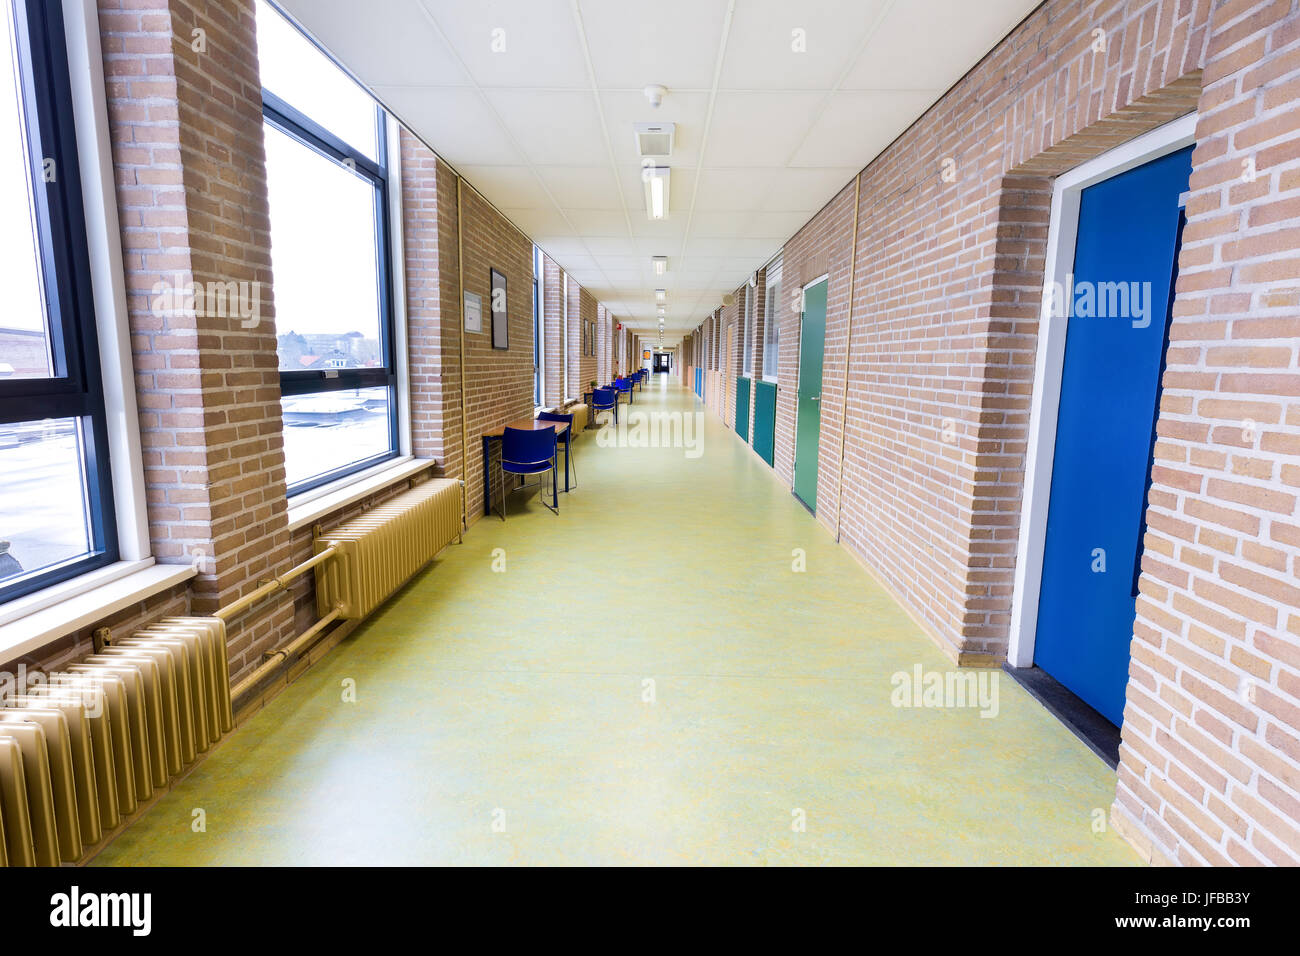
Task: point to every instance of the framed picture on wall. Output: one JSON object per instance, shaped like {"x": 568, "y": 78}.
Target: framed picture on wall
{"x": 591, "y": 338}
{"x": 500, "y": 316}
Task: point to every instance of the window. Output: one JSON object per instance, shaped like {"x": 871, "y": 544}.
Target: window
{"x": 747, "y": 332}
{"x": 327, "y": 186}
{"x": 772, "y": 324}
{"x": 56, "y": 506}
{"x": 537, "y": 327}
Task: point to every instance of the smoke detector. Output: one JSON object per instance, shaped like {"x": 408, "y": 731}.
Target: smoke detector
{"x": 655, "y": 94}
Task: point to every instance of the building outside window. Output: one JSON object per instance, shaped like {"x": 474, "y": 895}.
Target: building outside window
{"x": 327, "y": 184}
{"x": 57, "y": 515}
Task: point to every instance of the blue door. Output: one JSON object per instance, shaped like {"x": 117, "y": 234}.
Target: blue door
{"x": 1125, "y": 257}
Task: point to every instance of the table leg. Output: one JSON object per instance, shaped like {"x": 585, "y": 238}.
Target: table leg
{"x": 568, "y": 454}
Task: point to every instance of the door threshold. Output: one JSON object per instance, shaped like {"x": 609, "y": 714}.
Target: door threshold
{"x": 1101, "y": 736}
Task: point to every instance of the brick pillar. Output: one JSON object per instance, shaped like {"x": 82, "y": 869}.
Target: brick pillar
{"x": 185, "y": 111}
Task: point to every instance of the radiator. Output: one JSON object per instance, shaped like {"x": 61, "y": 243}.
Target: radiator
{"x": 81, "y": 752}
{"x": 378, "y": 552}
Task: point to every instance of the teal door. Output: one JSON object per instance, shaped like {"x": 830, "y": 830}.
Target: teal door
{"x": 808, "y": 422}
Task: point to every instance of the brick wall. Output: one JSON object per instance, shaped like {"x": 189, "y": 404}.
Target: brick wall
{"x": 946, "y": 286}
{"x": 498, "y": 382}
{"x": 1211, "y": 759}
{"x": 432, "y": 323}
{"x": 186, "y": 130}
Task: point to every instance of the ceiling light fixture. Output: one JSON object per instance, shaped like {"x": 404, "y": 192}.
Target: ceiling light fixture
{"x": 661, "y": 295}
{"x": 661, "y": 264}
{"x": 656, "y": 180}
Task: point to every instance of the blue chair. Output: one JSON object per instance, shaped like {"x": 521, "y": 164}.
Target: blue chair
{"x": 567, "y": 443}
{"x": 525, "y": 451}
{"x": 624, "y": 387}
{"x": 604, "y": 400}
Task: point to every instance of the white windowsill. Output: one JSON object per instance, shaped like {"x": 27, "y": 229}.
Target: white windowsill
{"x": 311, "y": 506}
{"x": 39, "y": 619}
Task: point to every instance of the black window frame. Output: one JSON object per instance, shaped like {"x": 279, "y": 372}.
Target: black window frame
{"x": 76, "y": 389}
{"x": 294, "y": 123}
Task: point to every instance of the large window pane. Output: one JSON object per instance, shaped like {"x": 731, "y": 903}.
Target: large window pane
{"x": 24, "y": 336}
{"x": 43, "y": 512}
{"x": 56, "y": 502}
{"x": 328, "y": 431}
{"x": 295, "y": 70}
{"x": 772, "y": 326}
{"x": 323, "y": 256}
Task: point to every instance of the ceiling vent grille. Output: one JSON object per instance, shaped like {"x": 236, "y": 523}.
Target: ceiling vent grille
{"x": 654, "y": 139}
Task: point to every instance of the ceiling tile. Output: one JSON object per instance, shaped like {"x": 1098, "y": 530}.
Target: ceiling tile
{"x": 545, "y": 226}
{"x": 930, "y": 44}
{"x": 551, "y": 126}
{"x": 514, "y": 42}
{"x": 393, "y": 44}
{"x": 583, "y": 187}
{"x": 732, "y": 190}
{"x": 455, "y": 122}
{"x": 776, "y": 45}
{"x": 855, "y": 127}
{"x": 670, "y": 42}
{"x": 758, "y": 129}
{"x": 805, "y": 190}
{"x": 512, "y": 187}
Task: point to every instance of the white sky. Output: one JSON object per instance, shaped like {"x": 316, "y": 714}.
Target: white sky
{"x": 18, "y": 270}
{"x": 322, "y": 214}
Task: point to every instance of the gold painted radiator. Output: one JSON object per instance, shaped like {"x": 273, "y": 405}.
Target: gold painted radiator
{"x": 81, "y": 751}
{"x": 378, "y": 552}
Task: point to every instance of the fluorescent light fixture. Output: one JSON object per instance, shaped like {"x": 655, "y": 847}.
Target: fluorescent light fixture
{"x": 661, "y": 264}
{"x": 661, "y": 295}
{"x": 656, "y": 190}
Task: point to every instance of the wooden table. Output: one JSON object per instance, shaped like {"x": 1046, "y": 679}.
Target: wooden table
{"x": 523, "y": 424}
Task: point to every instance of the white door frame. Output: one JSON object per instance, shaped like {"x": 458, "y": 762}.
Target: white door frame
{"x": 1050, "y": 361}
{"x": 798, "y": 365}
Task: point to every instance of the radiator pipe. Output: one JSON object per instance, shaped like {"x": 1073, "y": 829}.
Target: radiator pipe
{"x": 283, "y": 654}
{"x": 235, "y": 608}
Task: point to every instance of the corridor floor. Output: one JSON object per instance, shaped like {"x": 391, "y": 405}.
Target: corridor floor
{"x": 643, "y": 679}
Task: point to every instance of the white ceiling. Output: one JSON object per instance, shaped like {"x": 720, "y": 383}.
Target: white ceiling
{"x": 765, "y": 135}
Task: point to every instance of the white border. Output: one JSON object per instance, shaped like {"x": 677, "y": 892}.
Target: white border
{"x": 108, "y": 276}
{"x": 1050, "y": 361}
{"x": 798, "y": 367}
{"x": 761, "y": 373}
{"x": 401, "y": 357}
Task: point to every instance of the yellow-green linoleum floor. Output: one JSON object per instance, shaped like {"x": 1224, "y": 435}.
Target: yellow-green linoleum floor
{"x": 501, "y": 717}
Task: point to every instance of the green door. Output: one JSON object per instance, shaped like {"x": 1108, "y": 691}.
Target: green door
{"x": 808, "y": 424}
